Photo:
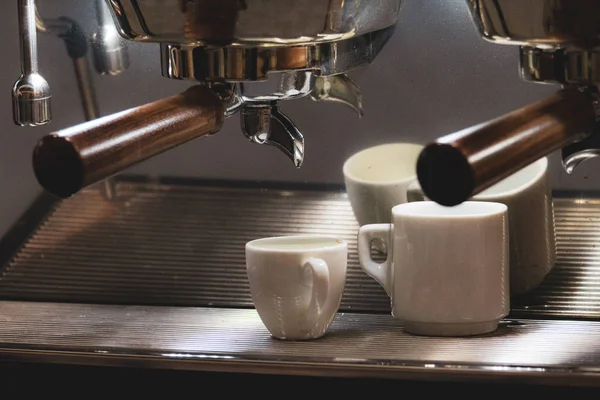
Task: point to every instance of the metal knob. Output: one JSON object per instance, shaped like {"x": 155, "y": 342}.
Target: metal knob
{"x": 31, "y": 100}
{"x": 31, "y": 93}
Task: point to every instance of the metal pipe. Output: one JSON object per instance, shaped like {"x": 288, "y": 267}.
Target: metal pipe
{"x": 31, "y": 93}
{"x": 87, "y": 92}
{"x": 28, "y": 37}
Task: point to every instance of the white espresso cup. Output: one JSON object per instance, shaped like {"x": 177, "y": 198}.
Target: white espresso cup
{"x": 377, "y": 179}
{"x": 447, "y": 273}
{"x": 297, "y": 283}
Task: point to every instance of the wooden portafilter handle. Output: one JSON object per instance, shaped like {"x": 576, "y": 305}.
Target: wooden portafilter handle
{"x": 460, "y": 165}
{"x": 67, "y": 161}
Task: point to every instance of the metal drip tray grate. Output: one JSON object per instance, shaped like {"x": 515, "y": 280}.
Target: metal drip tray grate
{"x": 172, "y": 245}
{"x": 183, "y": 245}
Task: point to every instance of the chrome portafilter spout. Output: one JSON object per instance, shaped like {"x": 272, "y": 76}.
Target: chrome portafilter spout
{"x": 261, "y": 120}
{"x": 265, "y": 124}
{"x": 31, "y": 93}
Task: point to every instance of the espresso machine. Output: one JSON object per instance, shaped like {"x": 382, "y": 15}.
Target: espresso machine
{"x": 247, "y": 56}
{"x": 110, "y": 270}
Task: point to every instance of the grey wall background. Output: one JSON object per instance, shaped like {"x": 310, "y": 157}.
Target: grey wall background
{"x": 435, "y": 76}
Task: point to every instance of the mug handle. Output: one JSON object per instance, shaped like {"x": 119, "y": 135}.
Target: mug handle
{"x": 380, "y": 272}
{"x": 320, "y": 288}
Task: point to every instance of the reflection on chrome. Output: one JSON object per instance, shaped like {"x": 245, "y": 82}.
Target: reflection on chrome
{"x": 197, "y": 356}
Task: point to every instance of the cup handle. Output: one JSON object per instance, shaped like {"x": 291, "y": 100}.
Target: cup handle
{"x": 320, "y": 288}
{"x": 380, "y": 272}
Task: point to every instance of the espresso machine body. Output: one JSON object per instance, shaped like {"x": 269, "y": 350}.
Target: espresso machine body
{"x": 123, "y": 233}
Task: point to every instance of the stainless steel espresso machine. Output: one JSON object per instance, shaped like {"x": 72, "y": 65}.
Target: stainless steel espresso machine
{"x": 150, "y": 273}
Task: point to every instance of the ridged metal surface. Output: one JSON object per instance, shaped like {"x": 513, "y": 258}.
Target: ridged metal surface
{"x": 236, "y": 340}
{"x": 572, "y": 289}
{"x": 160, "y": 244}
{"x": 173, "y": 245}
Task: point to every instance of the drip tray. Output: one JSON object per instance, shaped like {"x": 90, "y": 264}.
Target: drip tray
{"x": 156, "y": 276}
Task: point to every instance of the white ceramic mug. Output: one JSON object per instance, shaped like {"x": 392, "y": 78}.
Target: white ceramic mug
{"x": 377, "y": 179}
{"x": 528, "y": 196}
{"x": 297, "y": 283}
{"x": 447, "y": 273}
